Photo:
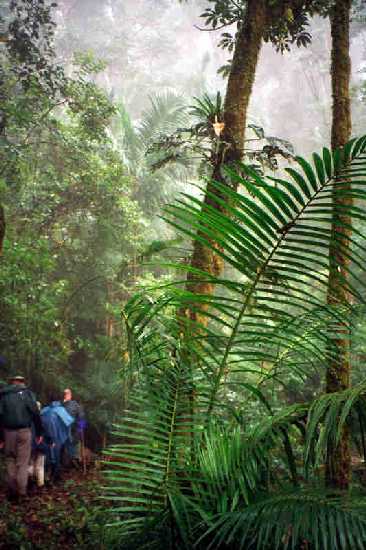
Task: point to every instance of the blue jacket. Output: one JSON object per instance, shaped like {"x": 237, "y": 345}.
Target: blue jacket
{"x": 55, "y": 423}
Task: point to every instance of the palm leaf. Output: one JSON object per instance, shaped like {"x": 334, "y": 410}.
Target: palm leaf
{"x": 144, "y": 464}
{"x": 277, "y": 237}
{"x": 323, "y": 522}
{"x": 166, "y": 112}
{"x": 327, "y": 417}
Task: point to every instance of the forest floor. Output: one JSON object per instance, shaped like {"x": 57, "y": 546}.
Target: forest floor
{"x": 64, "y": 515}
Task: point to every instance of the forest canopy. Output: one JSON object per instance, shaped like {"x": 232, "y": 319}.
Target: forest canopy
{"x": 183, "y": 223}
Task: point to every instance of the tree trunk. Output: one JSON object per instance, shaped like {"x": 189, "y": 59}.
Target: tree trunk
{"x": 2, "y": 228}
{"x": 231, "y": 143}
{"x": 338, "y": 373}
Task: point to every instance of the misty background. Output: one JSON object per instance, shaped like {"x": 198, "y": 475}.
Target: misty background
{"x": 151, "y": 46}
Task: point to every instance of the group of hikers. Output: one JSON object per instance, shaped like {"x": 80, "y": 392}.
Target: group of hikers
{"x": 37, "y": 439}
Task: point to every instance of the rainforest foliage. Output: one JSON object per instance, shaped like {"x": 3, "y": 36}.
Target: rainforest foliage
{"x": 196, "y": 279}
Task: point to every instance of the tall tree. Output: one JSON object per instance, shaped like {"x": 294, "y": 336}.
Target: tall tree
{"x": 280, "y": 22}
{"x": 230, "y": 148}
{"x": 27, "y": 57}
{"x": 338, "y": 373}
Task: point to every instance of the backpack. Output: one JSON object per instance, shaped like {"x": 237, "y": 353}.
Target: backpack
{"x": 17, "y": 407}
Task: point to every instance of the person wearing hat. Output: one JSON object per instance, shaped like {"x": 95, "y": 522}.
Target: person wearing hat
{"x": 18, "y": 411}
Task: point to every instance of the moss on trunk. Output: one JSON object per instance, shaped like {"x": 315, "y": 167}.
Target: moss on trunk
{"x": 2, "y": 228}
{"x": 231, "y": 145}
{"x": 338, "y": 373}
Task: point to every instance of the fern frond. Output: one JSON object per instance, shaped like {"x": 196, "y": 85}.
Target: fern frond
{"x": 169, "y": 461}
{"x": 323, "y": 522}
{"x": 143, "y": 466}
{"x": 277, "y": 237}
{"x": 236, "y": 464}
{"x": 327, "y": 417}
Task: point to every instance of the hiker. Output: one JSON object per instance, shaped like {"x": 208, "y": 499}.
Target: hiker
{"x": 56, "y": 422}
{"x": 18, "y": 410}
{"x": 76, "y": 429}
{"x": 37, "y": 463}
{"x": 36, "y": 467}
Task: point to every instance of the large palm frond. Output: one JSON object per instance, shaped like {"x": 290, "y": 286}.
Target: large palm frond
{"x": 236, "y": 463}
{"x": 167, "y": 111}
{"x": 158, "y": 430}
{"x": 144, "y": 464}
{"x": 276, "y": 234}
{"x": 290, "y": 521}
{"x": 326, "y": 420}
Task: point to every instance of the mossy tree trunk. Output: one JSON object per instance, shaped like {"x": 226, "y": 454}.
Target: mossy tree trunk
{"x": 231, "y": 143}
{"x": 230, "y": 148}
{"x": 338, "y": 373}
{"x": 2, "y": 227}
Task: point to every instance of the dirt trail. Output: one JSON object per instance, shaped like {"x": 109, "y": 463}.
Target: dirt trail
{"x": 65, "y": 515}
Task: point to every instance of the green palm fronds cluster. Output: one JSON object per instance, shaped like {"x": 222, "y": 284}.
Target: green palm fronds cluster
{"x": 166, "y": 112}
{"x": 191, "y": 469}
